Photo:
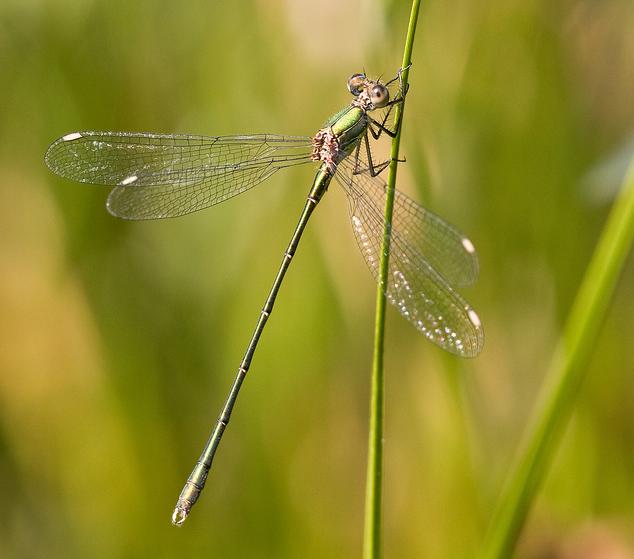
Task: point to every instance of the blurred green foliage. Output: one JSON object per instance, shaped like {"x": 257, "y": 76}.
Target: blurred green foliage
{"x": 118, "y": 341}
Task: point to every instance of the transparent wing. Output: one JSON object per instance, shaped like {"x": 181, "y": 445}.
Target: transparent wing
{"x": 427, "y": 255}
{"x": 447, "y": 250}
{"x": 168, "y": 175}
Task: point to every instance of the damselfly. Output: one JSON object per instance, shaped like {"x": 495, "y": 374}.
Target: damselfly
{"x": 156, "y": 176}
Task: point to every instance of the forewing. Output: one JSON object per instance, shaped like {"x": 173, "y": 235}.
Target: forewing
{"x": 166, "y": 175}
{"x": 447, "y": 250}
{"x": 426, "y": 256}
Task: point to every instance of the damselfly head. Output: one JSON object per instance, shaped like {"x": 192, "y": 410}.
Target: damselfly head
{"x": 373, "y": 94}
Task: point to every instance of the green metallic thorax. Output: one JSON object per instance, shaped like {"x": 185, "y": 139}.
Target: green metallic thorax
{"x": 348, "y": 125}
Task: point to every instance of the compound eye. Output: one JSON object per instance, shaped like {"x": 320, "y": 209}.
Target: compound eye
{"x": 379, "y": 95}
{"x": 356, "y": 84}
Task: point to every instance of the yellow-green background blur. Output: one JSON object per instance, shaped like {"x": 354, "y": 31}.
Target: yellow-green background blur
{"x": 119, "y": 341}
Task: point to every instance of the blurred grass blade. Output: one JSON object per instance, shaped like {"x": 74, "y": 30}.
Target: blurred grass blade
{"x": 374, "y": 479}
{"x": 565, "y": 375}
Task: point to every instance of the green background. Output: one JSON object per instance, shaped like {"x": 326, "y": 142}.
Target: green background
{"x": 118, "y": 341}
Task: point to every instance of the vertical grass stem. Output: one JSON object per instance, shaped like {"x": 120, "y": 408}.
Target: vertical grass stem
{"x": 374, "y": 479}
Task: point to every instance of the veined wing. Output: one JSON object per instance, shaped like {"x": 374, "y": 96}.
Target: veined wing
{"x": 168, "y": 175}
{"x": 427, "y": 255}
{"x": 447, "y": 250}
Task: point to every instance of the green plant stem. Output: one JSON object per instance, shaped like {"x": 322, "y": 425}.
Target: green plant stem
{"x": 374, "y": 479}
{"x": 565, "y": 375}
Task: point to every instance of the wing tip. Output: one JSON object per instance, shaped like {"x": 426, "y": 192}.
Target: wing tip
{"x": 477, "y": 342}
{"x": 56, "y": 148}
